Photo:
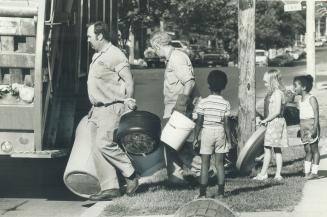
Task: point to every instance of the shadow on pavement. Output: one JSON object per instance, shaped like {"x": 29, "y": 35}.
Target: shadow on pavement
{"x": 34, "y": 178}
{"x": 322, "y": 173}
{"x": 251, "y": 189}
{"x": 323, "y": 156}
{"x": 35, "y": 192}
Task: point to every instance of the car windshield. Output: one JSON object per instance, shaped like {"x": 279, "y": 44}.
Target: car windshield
{"x": 195, "y": 47}
{"x": 260, "y": 53}
{"x": 176, "y": 44}
{"x": 215, "y": 51}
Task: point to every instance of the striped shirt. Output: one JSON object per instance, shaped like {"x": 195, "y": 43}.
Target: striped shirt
{"x": 214, "y": 108}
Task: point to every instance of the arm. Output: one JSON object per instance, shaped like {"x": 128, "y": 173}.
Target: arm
{"x": 227, "y": 130}
{"x": 188, "y": 87}
{"x": 315, "y": 106}
{"x": 183, "y": 99}
{"x": 198, "y": 126}
{"x": 276, "y": 111}
{"x": 259, "y": 106}
{"x": 126, "y": 75}
{"x": 184, "y": 73}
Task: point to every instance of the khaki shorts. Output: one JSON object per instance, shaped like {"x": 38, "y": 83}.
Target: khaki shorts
{"x": 213, "y": 140}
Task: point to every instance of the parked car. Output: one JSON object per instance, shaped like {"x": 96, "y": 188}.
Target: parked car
{"x": 182, "y": 46}
{"x": 261, "y": 58}
{"x": 282, "y": 60}
{"x": 197, "y": 56}
{"x": 319, "y": 43}
{"x": 297, "y": 53}
{"x": 213, "y": 57}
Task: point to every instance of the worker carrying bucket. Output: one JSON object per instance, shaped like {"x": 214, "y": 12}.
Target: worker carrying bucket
{"x": 177, "y": 129}
{"x": 179, "y": 90}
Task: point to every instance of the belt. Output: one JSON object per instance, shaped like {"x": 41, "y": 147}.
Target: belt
{"x": 100, "y": 104}
{"x": 280, "y": 116}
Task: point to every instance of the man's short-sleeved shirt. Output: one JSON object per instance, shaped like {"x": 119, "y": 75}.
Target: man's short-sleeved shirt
{"x": 104, "y": 83}
{"x": 178, "y": 71}
{"x": 214, "y": 108}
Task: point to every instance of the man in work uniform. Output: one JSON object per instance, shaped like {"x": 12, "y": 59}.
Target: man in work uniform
{"x": 179, "y": 83}
{"x": 110, "y": 88}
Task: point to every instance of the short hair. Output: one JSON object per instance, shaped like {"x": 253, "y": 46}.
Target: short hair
{"x": 161, "y": 38}
{"x": 217, "y": 80}
{"x": 101, "y": 28}
{"x": 305, "y": 81}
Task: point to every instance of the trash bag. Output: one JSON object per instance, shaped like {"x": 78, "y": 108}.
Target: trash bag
{"x": 291, "y": 115}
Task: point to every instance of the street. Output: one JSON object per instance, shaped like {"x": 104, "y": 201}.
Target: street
{"x": 149, "y": 85}
{"x": 34, "y": 187}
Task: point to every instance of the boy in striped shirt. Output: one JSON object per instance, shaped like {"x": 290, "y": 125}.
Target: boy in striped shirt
{"x": 213, "y": 112}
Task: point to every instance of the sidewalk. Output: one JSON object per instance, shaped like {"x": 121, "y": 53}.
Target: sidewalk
{"x": 314, "y": 200}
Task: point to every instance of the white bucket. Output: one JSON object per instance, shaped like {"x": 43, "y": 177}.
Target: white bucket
{"x": 177, "y": 130}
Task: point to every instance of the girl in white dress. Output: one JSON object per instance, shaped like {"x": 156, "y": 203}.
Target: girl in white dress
{"x": 276, "y": 133}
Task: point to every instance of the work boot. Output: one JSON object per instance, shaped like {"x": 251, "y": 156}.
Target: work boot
{"x": 220, "y": 193}
{"x": 105, "y": 195}
{"x": 131, "y": 185}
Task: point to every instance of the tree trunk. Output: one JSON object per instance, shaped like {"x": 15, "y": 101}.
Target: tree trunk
{"x": 246, "y": 92}
{"x": 310, "y": 39}
{"x": 162, "y": 25}
{"x": 131, "y": 46}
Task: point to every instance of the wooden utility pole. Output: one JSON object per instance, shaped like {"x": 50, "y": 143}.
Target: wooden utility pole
{"x": 113, "y": 20}
{"x": 246, "y": 61}
{"x": 310, "y": 38}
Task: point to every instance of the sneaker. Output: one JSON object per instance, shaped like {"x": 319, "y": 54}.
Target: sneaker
{"x": 307, "y": 175}
{"x": 313, "y": 176}
{"x": 278, "y": 178}
{"x": 260, "y": 177}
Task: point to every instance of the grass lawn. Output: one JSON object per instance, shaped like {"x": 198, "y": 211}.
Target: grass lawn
{"x": 243, "y": 193}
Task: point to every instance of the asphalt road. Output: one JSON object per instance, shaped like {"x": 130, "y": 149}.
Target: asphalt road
{"x": 149, "y": 82}
{"x": 34, "y": 187}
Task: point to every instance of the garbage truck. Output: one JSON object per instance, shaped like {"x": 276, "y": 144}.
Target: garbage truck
{"x": 43, "y": 66}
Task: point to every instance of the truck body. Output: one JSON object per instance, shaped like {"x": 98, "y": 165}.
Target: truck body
{"x": 44, "y": 57}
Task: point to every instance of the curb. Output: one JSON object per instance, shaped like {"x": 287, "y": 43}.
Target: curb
{"x": 96, "y": 209}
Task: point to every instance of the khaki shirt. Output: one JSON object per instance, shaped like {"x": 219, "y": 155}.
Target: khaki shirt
{"x": 178, "y": 71}
{"x": 104, "y": 83}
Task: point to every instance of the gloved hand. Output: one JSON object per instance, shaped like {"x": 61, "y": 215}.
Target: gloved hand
{"x": 182, "y": 103}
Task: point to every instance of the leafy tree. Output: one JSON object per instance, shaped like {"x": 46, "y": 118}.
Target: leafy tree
{"x": 137, "y": 14}
{"x": 276, "y": 28}
{"x": 216, "y": 19}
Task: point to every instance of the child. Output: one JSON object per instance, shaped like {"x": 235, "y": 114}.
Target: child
{"x": 276, "y": 134}
{"x": 309, "y": 124}
{"x": 213, "y": 112}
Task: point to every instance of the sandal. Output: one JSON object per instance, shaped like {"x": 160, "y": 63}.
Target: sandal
{"x": 260, "y": 177}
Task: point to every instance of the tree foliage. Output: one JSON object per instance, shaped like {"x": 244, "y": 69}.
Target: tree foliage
{"x": 276, "y": 28}
{"x": 215, "y": 19}
{"x": 137, "y": 14}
